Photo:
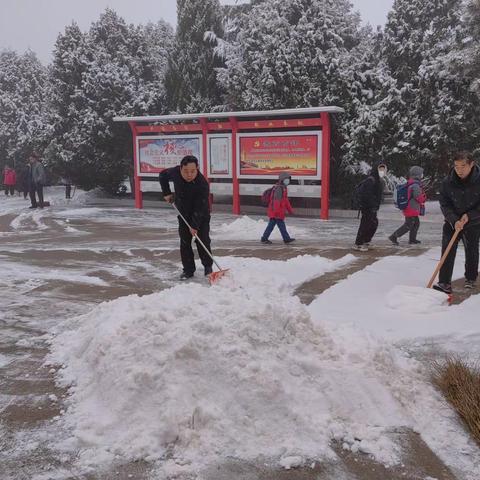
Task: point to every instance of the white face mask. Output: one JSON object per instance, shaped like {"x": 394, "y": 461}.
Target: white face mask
{"x": 286, "y": 181}
{"x": 381, "y": 173}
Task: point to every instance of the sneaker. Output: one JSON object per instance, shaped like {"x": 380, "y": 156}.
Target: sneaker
{"x": 266, "y": 242}
{"x": 469, "y": 284}
{"x": 32, "y": 207}
{"x": 443, "y": 287}
{"x": 360, "y": 248}
{"x": 290, "y": 240}
{"x": 414, "y": 242}
{"x": 394, "y": 240}
{"x": 185, "y": 276}
{"x": 208, "y": 270}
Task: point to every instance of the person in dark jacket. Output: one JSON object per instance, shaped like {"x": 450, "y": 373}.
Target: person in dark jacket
{"x": 460, "y": 204}
{"x": 37, "y": 180}
{"x": 192, "y": 200}
{"x": 278, "y": 207}
{"x": 415, "y": 208}
{"x": 370, "y": 198}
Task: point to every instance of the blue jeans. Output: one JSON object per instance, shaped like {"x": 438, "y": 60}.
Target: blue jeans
{"x": 271, "y": 225}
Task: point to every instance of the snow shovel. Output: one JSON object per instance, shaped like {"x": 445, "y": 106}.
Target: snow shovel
{"x": 442, "y": 261}
{"x": 214, "y": 276}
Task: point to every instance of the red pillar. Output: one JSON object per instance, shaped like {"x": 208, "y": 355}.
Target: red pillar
{"x": 137, "y": 184}
{"x": 204, "y": 124}
{"x": 235, "y": 184}
{"x": 325, "y": 195}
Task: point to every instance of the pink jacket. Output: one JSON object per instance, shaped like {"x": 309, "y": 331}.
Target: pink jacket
{"x": 416, "y": 199}
{"x": 9, "y": 177}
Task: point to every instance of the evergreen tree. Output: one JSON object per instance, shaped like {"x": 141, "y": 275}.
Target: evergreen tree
{"x": 288, "y": 54}
{"x": 114, "y": 69}
{"x": 23, "y": 107}
{"x": 190, "y": 81}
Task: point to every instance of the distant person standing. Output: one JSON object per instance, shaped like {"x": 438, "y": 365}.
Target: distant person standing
{"x": 460, "y": 204}
{"x": 9, "y": 180}
{"x": 370, "y": 194}
{"x": 37, "y": 180}
{"x": 24, "y": 181}
{"x": 415, "y": 207}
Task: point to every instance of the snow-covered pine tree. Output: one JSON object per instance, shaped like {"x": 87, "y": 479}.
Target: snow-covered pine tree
{"x": 23, "y": 107}
{"x": 191, "y": 82}
{"x": 117, "y": 69}
{"x": 287, "y": 53}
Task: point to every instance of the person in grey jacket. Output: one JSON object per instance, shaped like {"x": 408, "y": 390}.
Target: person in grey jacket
{"x": 415, "y": 208}
{"x": 37, "y": 180}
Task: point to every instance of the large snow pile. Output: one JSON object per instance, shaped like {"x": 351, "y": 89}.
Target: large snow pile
{"x": 195, "y": 373}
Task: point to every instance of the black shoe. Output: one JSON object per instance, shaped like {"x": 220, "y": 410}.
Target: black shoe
{"x": 266, "y": 242}
{"x": 443, "y": 287}
{"x": 414, "y": 242}
{"x": 186, "y": 276}
{"x": 394, "y": 240}
{"x": 32, "y": 206}
{"x": 290, "y": 240}
{"x": 208, "y": 270}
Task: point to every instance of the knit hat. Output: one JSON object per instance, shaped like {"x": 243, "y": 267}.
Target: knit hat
{"x": 416, "y": 172}
{"x": 283, "y": 175}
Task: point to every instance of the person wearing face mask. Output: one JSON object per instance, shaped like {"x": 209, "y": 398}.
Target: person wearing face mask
{"x": 192, "y": 201}
{"x": 370, "y": 198}
{"x": 415, "y": 208}
{"x": 278, "y": 207}
{"x": 460, "y": 204}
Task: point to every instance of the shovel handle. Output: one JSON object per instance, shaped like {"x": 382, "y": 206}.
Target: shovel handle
{"x": 196, "y": 236}
{"x": 444, "y": 256}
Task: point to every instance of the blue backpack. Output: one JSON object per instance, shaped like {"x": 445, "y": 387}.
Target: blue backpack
{"x": 401, "y": 196}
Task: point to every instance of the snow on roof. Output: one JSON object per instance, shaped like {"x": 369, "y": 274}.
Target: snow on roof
{"x": 214, "y": 115}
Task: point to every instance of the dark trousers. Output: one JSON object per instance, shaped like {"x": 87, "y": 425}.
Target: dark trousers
{"x": 368, "y": 227}
{"x": 470, "y": 237}
{"x": 68, "y": 190}
{"x": 10, "y": 189}
{"x": 412, "y": 224}
{"x": 186, "y": 250}
{"x": 36, "y": 189}
{"x": 281, "y": 226}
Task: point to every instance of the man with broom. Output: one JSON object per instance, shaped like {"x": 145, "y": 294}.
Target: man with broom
{"x": 192, "y": 203}
{"x": 460, "y": 204}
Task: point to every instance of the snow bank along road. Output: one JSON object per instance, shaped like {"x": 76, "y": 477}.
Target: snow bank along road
{"x": 111, "y": 369}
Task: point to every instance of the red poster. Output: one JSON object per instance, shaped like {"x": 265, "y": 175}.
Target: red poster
{"x": 269, "y": 155}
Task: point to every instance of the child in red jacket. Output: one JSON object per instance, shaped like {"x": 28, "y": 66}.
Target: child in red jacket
{"x": 415, "y": 208}
{"x": 278, "y": 206}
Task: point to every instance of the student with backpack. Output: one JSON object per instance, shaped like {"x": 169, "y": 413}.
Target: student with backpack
{"x": 410, "y": 198}
{"x": 276, "y": 199}
{"x": 368, "y": 196}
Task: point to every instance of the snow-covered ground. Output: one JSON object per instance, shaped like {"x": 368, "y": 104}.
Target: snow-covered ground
{"x": 190, "y": 374}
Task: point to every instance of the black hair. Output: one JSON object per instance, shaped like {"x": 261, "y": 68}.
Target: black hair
{"x": 463, "y": 155}
{"x": 189, "y": 159}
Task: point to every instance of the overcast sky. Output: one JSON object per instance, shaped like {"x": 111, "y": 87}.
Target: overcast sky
{"x": 35, "y": 24}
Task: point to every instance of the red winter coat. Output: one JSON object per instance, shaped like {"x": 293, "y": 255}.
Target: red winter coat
{"x": 9, "y": 177}
{"x": 279, "y": 204}
{"x": 416, "y": 199}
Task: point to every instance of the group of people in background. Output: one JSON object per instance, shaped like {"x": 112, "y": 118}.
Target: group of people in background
{"x": 459, "y": 202}
{"x": 30, "y": 181}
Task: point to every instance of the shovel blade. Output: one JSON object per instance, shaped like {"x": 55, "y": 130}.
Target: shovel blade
{"x": 214, "y": 277}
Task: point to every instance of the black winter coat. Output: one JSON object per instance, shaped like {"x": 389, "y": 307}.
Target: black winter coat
{"x": 191, "y": 198}
{"x": 371, "y": 192}
{"x": 459, "y": 196}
